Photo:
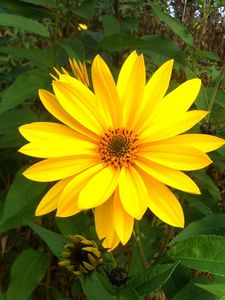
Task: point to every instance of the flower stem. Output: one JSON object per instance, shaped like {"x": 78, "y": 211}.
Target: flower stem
{"x": 139, "y": 245}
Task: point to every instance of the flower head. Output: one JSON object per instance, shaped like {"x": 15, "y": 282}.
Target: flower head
{"x": 81, "y": 255}
{"x": 120, "y": 148}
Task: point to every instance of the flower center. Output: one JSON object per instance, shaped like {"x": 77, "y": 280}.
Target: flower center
{"x": 118, "y": 147}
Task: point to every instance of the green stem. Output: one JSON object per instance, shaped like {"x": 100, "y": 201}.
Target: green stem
{"x": 139, "y": 245}
{"x": 213, "y": 97}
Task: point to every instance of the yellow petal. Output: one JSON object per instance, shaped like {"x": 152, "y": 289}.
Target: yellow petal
{"x": 43, "y": 131}
{"x": 123, "y": 222}
{"x": 51, "y": 103}
{"x": 171, "y": 177}
{"x": 104, "y": 225}
{"x": 154, "y": 92}
{"x": 163, "y": 203}
{"x": 125, "y": 74}
{"x": 179, "y": 100}
{"x": 176, "y": 156}
{"x": 99, "y": 188}
{"x": 58, "y": 148}
{"x": 133, "y": 97}
{"x": 50, "y": 201}
{"x": 57, "y": 168}
{"x": 202, "y": 142}
{"x": 67, "y": 204}
{"x": 77, "y": 100}
{"x": 106, "y": 92}
{"x": 133, "y": 193}
{"x": 174, "y": 125}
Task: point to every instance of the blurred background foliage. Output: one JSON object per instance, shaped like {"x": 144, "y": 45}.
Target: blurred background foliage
{"x": 37, "y": 35}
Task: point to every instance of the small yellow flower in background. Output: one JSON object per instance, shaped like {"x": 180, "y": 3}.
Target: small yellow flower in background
{"x": 119, "y": 148}
{"x": 80, "y": 255}
{"x": 82, "y": 26}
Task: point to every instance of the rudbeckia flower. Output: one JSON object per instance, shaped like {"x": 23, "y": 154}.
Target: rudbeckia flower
{"x": 120, "y": 147}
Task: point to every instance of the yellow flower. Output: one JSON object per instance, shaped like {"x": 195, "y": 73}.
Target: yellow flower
{"x": 120, "y": 147}
{"x": 82, "y": 26}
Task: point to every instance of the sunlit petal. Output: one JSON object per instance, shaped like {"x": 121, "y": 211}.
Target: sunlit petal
{"x": 99, "y": 188}
{"x": 202, "y": 142}
{"x": 133, "y": 193}
{"x": 67, "y": 204}
{"x": 174, "y": 125}
{"x": 104, "y": 225}
{"x": 171, "y": 177}
{"x": 176, "y": 156}
{"x": 163, "y": 203}
{"x": 106, "y": 92}
{"x": 123, "y": 222}
{"x": 50, "y": 201}
{"x": 57, "y": 168}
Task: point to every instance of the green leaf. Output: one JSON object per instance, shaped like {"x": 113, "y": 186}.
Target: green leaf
{"x": 20, "y": 202}
{"x": 94, "y": 289}
{"x": 54, "y": 240}
{"x": 128, "y": 293}
{"x": 85, "y": 9}
{"x": 26, "y": 273}
{"x": 25, "y": 86}
{"x": 152, "y": 278}
{"x": 209, "y": 54}
{"x": 73, "y": 48}
{"x": 26, "y": 24}
{"x": 40, "y": 57}
{"x": 50, "y": 3}
{"x": 212, "y": 224}
{"x": 204, "y": 253}
{"x": 11, "y": 120}
{"x": 164, "y": 46}
{"x": 9, "y": 123}
{"x": 2, "y": 296}
{"x": 205, "y": 182}
{"x": 111, "y": 25}
{"x": 173, "y": 24}
{"x": 58, "y": 296}
{"x": 217, "y": 289}
{"x": 192, "y": 292}
{"x": 77, "y": 224}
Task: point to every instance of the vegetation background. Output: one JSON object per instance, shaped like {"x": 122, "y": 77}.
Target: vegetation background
{"x": 37, "y": 35}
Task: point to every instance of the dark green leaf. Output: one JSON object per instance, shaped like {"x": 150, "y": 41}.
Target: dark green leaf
{"x": 192, "y": 292}
{"x": 209, "y": 54}
{"x": 54, "y": 240}
{"x": 217, "y": 289}
{"x": 173, "y": 24}
{"x": 26, "y": 273}
{"x": 164, "y": 46}
{"x": 74, "y": 225}
{"x": 74, "y": 48}
{"x": 111, "y": 25}
{"x": 2, "y": 296}
{"x": 59, "y": 296}
{"x": 94, "y": 289}
{"x": 11, "y": 120}
{"x": 212, "y": 224}
{"x": 128, "y": 293}
{"x": 26, "y": 24}
{"x": 40, "y": 57}
{"x": 20, "y": 202}
{"x": 204, "y": 253}
{"x": 152, "y": 278}
{"x": 25, "y": 86}
{"x": 85, "y": 9}
{"x": 50, "y": 3}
